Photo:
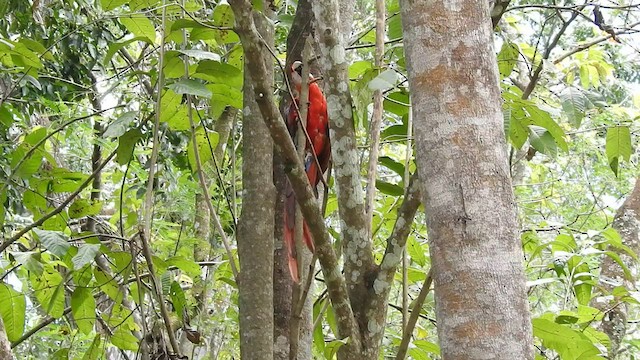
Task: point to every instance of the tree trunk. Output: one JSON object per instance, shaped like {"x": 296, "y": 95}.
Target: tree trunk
{"x": 5, "y": 345}
{"x": 255, "y": 230}
{"x": 480, "y": 294}
{"x": 627, "y": 224}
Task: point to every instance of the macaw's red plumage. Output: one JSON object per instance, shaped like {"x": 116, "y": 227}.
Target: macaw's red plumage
{"x": 317, "y": 126}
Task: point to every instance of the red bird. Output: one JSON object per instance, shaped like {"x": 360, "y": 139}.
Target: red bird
{"x": 317, "y": 126}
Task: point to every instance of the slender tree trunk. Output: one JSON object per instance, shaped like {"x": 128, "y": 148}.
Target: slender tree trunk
{"x": 5, "y": 345}
{"x": 480, "y": 294}
{"x": 255, "y": 230}
{"x": 627, "y": 224}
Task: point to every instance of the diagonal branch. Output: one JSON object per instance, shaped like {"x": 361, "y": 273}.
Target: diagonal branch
{"x": 335, "y": 282}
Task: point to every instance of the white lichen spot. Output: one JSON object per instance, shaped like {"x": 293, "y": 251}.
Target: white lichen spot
{"x": 342, "y": 86}
{"x": 379, "y": 286}
{"x": 338, "y": 54}
{"x": 246, "y": 111}
{"x": 373, "y": 326}
{"x": 355, "y": 276}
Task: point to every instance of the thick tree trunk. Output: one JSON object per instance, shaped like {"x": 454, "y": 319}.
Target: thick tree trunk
{"x": 255, "y": 230}
{"x": 627, "y": 224}
{"x": 481, "y": 302}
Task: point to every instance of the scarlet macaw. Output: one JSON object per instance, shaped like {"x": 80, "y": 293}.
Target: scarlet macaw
{"x": 317, "y": 126}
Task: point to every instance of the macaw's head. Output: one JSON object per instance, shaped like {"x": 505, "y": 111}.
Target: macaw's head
{"x": 296, "y": 75}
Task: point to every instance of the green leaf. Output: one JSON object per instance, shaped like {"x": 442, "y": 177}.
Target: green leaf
{"x": 394, "y": 30}
{"x": 173, "y": 65}
{"x": 201, "y": 54}
{"x": 618, "y": 146}
{"x": 392, "y": 165}
{"x": 140, "y": 26}
{"x": 581, "y": 279}
{"x": 13, "y": 308}
{"x": 111, "y": 4}
{"x": 575, "y": 104}
{"x": 83, "y": 308}
{"x": 205, "y": 150}
{"x": 584, "y": 76}
{"x": 190, "y": 267}
{"x": 120, "y": 125}
{"x": 570, "y": 344}
{"x": 542, "y": 141}
{"x": 359, "y": 67}
{"x": 115, "y": 47}
{"x": 394, "y": 132}
{"x": 94, "y": 351}
{"x": 415, "y": 250}
{"x": 219, "y": 73}
{"x": 384, "y": 81}
{"x": 126, "y": 144}
{"x": 397, "y": 103}
{"x": 507, "y": 58}
{"x": 427, "y": 346}
{"x": 191, "y": 87}
{"x": 82, "y": 207}
{"x": 124, "y": 340}
{"x": 54, "y": 241}
{"x": 31, "y": 260}
{"x": 223, "y": 17}
{"x": 178, "y": 299}
{"x": 49, "y": 290}
{"x": 389, "y": 188}
{"x": 331, "y": 348}
{"x": 86, "y": 254}
{"x": 173, "y": 112}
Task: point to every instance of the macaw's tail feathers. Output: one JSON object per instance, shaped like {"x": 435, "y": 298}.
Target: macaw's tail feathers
{"x": 308, "y": 239}
{"x": 289, "y": 231}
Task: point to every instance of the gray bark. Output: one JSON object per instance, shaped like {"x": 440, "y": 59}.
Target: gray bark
{"x": 480, "y": 294}
{"x": 255, "y": 230}
{"x": 5, "y": 345}
{"x": 627, "y": 224}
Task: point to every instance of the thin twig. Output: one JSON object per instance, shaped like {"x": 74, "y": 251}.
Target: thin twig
{"x": 413, "y": 319}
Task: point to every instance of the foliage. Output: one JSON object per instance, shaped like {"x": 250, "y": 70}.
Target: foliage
{"x": 67, "y": 66}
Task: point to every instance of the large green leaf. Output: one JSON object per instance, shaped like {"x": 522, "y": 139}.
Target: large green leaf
{"x": 139, "y": 26}
{"x": 173, "y": 111}
{"x": 569, "y": 343}
{"x": 124, "y": 340}
{"x": 54, "y": 241}
{"x": 126, "y": 143}
{"x": 223, "y": 18}
{"x": 83, "y": 207}
{"x": 206, "y": 142}
{"x": 190, "y": 87}
{"x": 507, "y": 58}
{"x": 112, "y": 4}
{"x": 12, "y": 309}
{"x": 83, "y": 308}
{"x": 49, "y": 290}
{"x": 120, "y": 125}
{"x": 86, "y": 254}
{"x": 219, "y": 73}
{"x": 94, "y": 350}
{"x": 575, "y": 104}
{"x": 618, "y": 146}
